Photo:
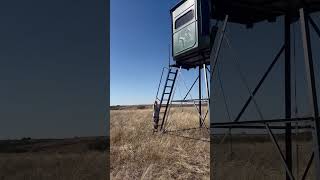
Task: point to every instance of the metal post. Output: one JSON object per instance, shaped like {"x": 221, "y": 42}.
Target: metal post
{"x": 314, "y": 25}
{"x": 213, "y": 61}
{"x": 215, "y": 49}
{"x": 200, "y": 112}
{"x": 288, "y": 138}
{"x": 305, "y": 34}
{"x": 206, "y": 80}
{"x": 207, "y": 88}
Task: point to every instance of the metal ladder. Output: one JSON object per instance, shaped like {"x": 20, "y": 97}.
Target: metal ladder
{"x": 166, "y": 93}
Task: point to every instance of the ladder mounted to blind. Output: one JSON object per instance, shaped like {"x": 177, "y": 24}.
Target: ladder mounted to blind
{"x": 166, "y": 95}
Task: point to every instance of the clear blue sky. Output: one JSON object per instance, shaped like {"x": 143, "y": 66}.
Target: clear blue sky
{"x": 140, "y": 35}
{"x": 139, "y": 49}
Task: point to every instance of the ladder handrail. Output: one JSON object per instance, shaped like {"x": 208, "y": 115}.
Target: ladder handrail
{"x": 173, "y": 90}
{"x": 164, "y": 89}
{"x": 168, "y": 101}
{"x": 160, "y": 82}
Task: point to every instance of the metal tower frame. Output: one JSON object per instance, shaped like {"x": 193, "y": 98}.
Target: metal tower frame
{"x": 201, "y": 65}
{"x": 198, "y": 101}
{"x": 269, "y": 124}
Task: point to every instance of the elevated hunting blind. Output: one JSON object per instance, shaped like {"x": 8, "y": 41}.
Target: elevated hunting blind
{"x": 194, "y": 45}
{"x": 191, "y": 31}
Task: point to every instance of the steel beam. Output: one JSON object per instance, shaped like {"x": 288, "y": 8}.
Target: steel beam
{"x": 305, "y": 173}
{"x": 215, "y": 50}
{"x": 305, "y": 34}
{"x": 214, "y": 54}
{"x": 208, "y": 69}
{"x": 207, "y": 89}
{"x": 191, "y": 100}
{"x": 269, "y": 121}
{"x": 200, "y": 111}
{"x": 260, "y": 83}
{"x": 255, "y": 127}
{"x": 314, "y": 25}
{"x": 185, "y": 97}
{"x": 283, "y": 160}
{"x": 287, "y": 70}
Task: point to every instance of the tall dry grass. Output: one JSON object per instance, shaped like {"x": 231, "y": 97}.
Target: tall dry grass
{"x": 53, "y": 166}
{"x": 253, "y": 160}
{"x": 137, "y": 153}
{"x": 81, "y": 158}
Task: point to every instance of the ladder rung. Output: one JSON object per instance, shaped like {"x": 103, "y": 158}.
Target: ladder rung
{"x": 170, "y": 79}
{"x": 172, "y": 72}
{"x": 166, "y": 93}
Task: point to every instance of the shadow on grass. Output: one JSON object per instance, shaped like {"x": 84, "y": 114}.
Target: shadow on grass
{"x": 174, "y": 133}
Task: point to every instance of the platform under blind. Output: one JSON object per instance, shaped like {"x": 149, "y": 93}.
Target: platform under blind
{"x": 253, "y": 11}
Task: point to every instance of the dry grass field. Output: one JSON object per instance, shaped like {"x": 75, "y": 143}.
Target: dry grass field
{"x": 257, "y": 158}
{"x": 136, "y": 153}
{"x": 65, "y": 159}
